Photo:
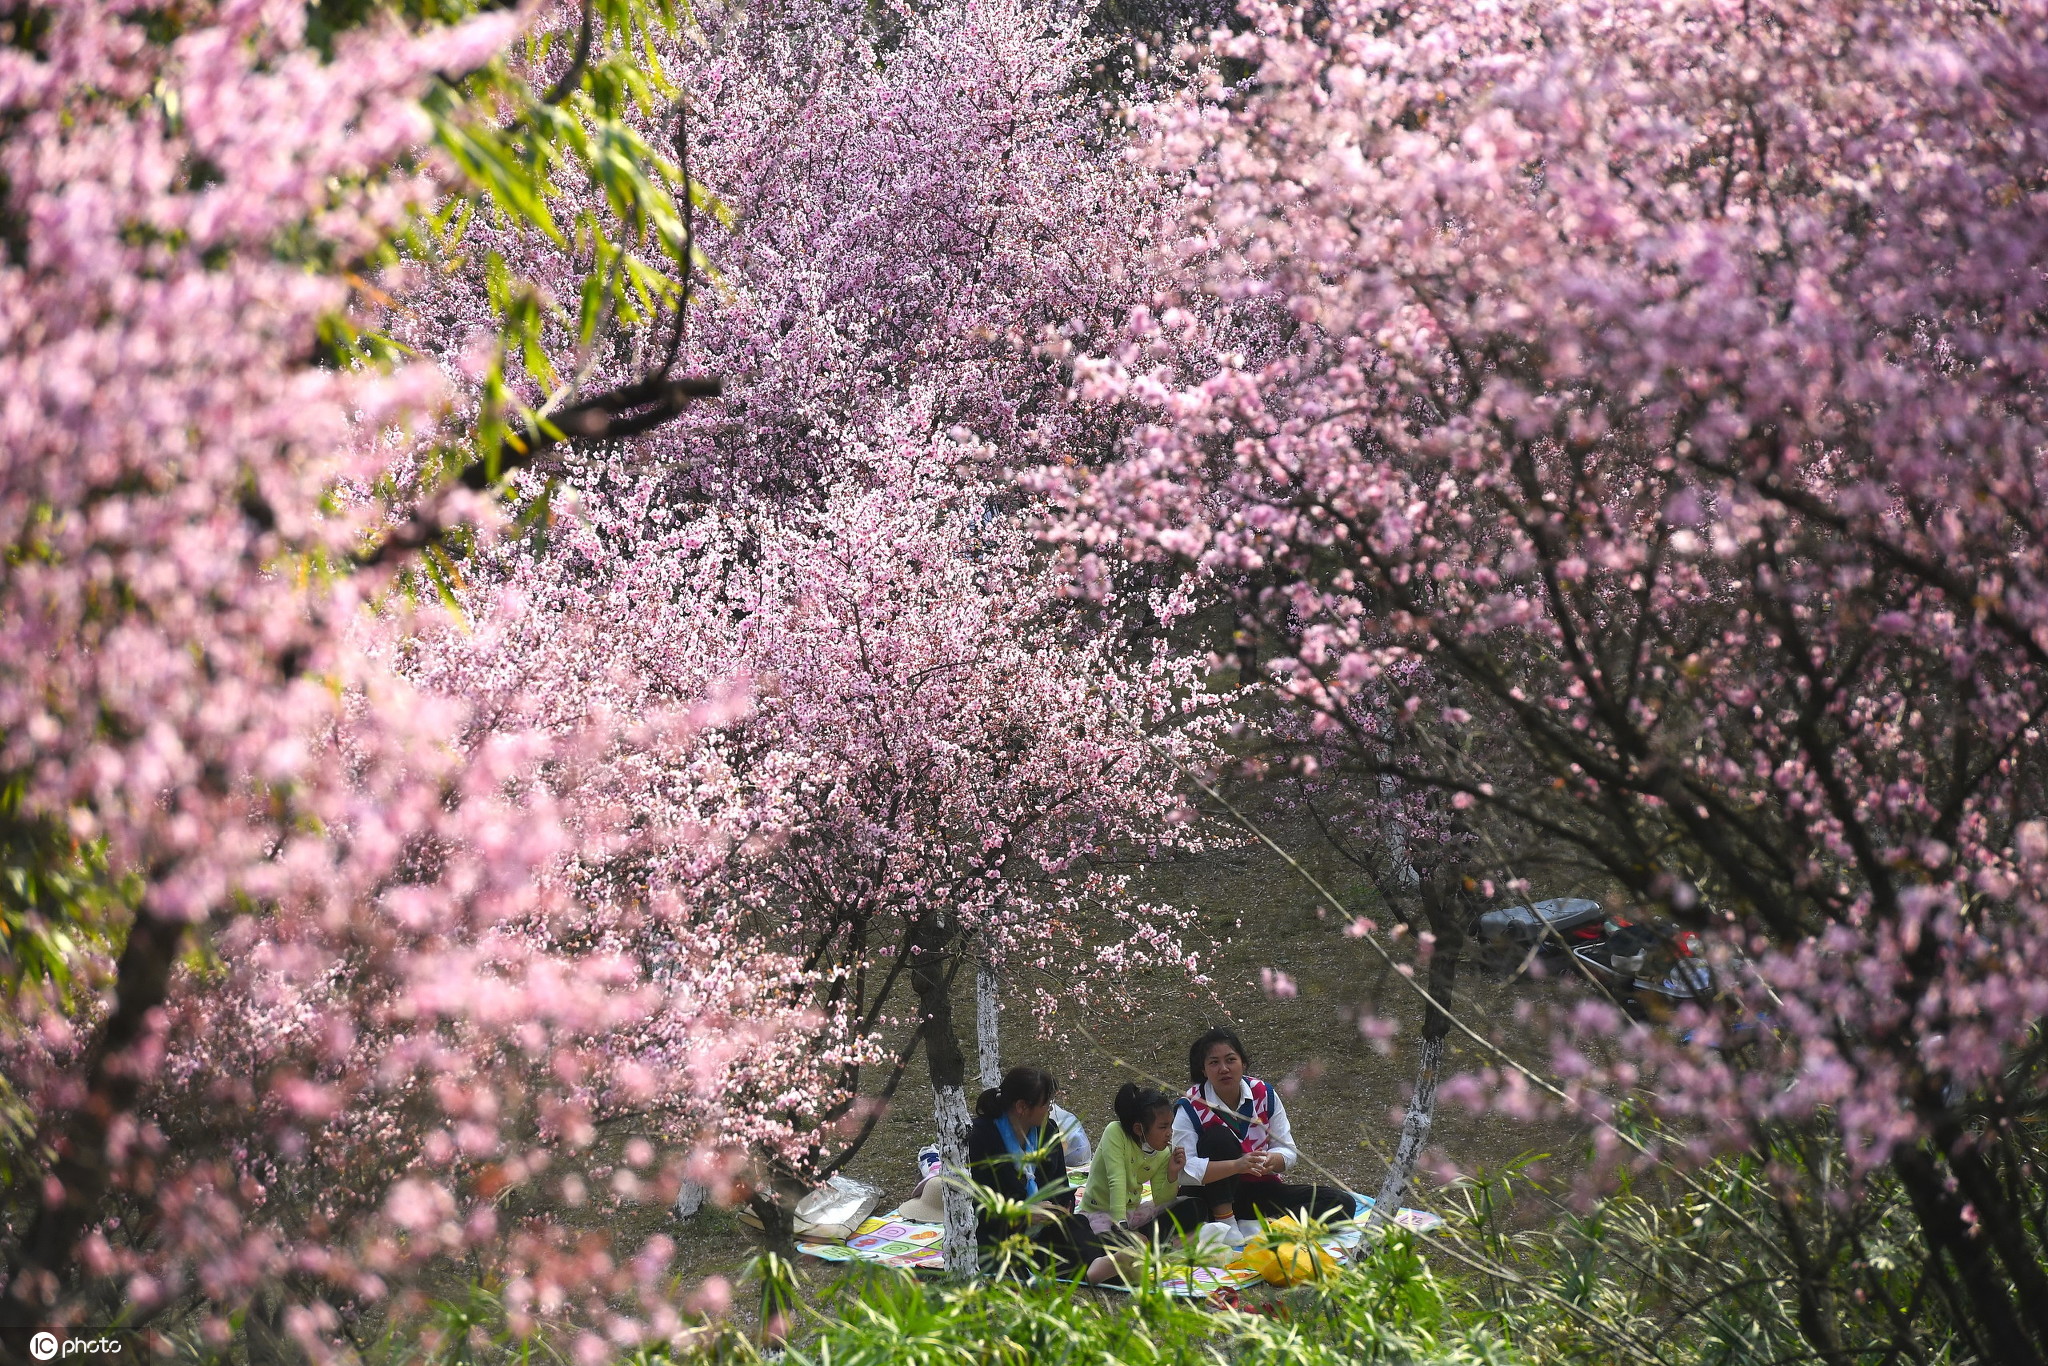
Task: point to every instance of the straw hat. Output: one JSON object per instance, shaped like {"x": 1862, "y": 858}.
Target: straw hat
{"x": 927, "y": 1206}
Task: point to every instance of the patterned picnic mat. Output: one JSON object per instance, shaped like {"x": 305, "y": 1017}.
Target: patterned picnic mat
{"x": 1414, "y": 1220}
{"x": 890, "y": 1240}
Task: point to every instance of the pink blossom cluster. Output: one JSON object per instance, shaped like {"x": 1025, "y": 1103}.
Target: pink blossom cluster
{"x": 163, "y": 472}
{"x": 911, "y": 206}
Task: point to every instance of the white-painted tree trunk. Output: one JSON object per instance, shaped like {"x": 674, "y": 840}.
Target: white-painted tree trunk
{"x": 950, "y": 1110}
{"x": 1447, "y": 906}
{"x": 1397, "y": 843}
{"x": 1414, "y": 1132}
{"x": 988, "y": 1023}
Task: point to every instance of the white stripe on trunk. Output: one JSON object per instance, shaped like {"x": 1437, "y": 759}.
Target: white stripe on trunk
{"x": 988, "y": 1022}
{"x": 1414, "y": 1132}
{"x": 949, "y": 1108}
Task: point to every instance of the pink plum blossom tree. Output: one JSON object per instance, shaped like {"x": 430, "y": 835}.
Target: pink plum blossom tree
{"x": 344, "y": 963}
{"x": 945, "y": 759}
{"x": 910, "y": 207}
{"x": 165, "y": 681}
{"x": 1665, "y": 383}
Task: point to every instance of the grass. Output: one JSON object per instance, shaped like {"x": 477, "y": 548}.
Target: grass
{"x": 1390, "y": 1309}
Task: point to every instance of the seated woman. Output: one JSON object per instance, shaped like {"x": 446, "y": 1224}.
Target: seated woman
{"x": 1014, "y": 1151}
{"x": 1131, "y": 1185}
{"x": 1233, "y": 1133}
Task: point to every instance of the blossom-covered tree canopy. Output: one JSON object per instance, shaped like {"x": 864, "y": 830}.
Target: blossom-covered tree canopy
{"x": 298, "y": 976}
{"x": 941, "y": 743}
{"x": 899, "y": 211}
{"x": 940, "y": 751}
{"x": 433, "y": 730}
{"x": 1665, "y": 383}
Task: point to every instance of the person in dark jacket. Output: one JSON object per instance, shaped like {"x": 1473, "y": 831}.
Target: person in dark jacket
{"x": 1013, "y": 1150}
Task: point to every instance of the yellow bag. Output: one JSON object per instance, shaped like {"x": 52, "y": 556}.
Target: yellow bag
{"x": 1283, "y": 1256}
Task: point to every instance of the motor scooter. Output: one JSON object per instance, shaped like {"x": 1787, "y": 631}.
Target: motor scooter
{"x": 1554, "y": 925}
{"x": 1648, "y": 969}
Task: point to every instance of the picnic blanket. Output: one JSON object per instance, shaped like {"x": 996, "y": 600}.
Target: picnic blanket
{"x": 911, "y": 1245}
{"x": 1414, "y": 1220}
{"x": 886, "y": 1239}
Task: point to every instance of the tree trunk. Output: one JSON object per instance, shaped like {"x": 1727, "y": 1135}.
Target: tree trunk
{"x": 44, "y": 1265}
{"x": 949, "y": 1108}
{"x": 774, "y": 1204}
{"x": 1398, "y": 862}
{"x": 1414, "y": 1129}
{"x": 2000, "y": 1224}
{"x": 988, "y": 1023}
{"x": 1948, "y": 1236}
{"x": 1446, "y": 911}
{"x": 932, "y": 983}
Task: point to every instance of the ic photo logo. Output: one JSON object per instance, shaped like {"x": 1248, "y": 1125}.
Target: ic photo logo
{"x": 122, "y": 1346}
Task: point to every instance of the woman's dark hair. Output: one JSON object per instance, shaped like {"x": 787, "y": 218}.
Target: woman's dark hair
{"x": 1031, "y": 1085}
{"x": 1198, "y": 1053}
{"x": 1135, "y": 1106}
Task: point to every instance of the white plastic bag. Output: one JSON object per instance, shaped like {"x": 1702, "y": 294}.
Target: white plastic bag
{"x": 834, "y": 1210}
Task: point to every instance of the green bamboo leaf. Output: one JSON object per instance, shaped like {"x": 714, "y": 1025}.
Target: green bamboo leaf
{"x": 590, "y": 309}
{"x": 497, "y": 282}
{"x": 488, "y": 160}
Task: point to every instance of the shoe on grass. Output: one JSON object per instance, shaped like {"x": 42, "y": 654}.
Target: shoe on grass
{"x": 1222, "y": 1231}
{"x": 1211, "y": 1245}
